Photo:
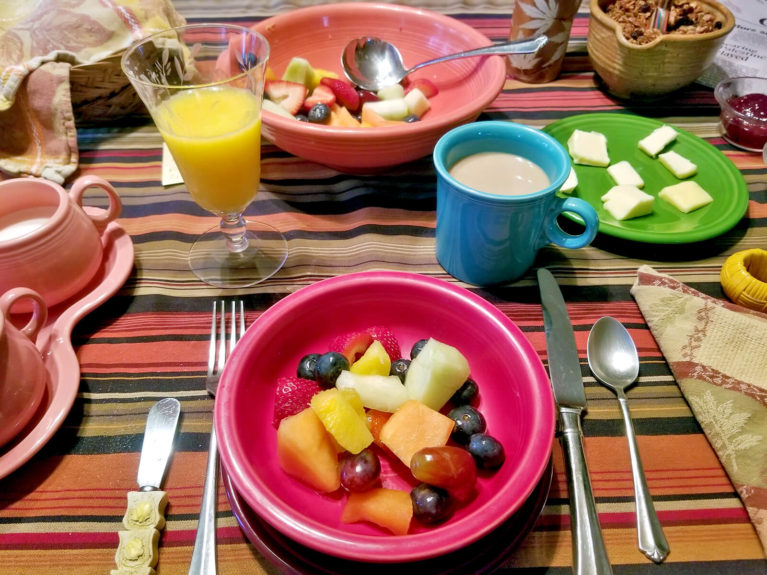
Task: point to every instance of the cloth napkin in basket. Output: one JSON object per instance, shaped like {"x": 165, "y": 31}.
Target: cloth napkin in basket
{"x": 37, "y": 48}
{"x": 717, "y": 352}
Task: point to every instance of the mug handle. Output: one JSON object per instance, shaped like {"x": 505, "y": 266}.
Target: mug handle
{"x": 100, "y": 219}
{"x": 580, "y": 207}
{"x": 39, "y": 309}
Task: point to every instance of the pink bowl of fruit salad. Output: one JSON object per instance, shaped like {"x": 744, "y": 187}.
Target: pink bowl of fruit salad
{"x": 277, "y": 430}
{"x": 457, "y": 91}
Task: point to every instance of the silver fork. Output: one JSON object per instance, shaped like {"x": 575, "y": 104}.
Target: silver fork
{"x": 204, "y": 554}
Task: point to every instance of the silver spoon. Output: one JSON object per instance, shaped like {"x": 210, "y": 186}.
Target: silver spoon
{"x": 614, "y": 361}
{"x": 372, "y": 63}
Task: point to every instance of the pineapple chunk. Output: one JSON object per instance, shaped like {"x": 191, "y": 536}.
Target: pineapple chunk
{"x": 436, "y": 373}
{"x": 626, "y": 202}
{"x": 661, "y": 137}
{"x": 343, "y": 415}
{"x": 375, "y": 361}
{"x": 686, "y": 196}
{"x": 588, "y": 148}
{"x": 384, "y": 393}
{"x": 677, "y": 164}
{"x": 624, "y": 173}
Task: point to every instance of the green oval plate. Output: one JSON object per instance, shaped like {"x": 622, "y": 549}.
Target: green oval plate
{"x": 665, "y": 225}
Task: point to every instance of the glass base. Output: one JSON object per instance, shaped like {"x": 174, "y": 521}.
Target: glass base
{"x": 211, "y": 260}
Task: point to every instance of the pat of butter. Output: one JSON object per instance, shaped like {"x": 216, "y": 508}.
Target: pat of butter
{"x": 661, "y": 137}
{"x": 588, "y": 148}
{"x": 570, "y": 183}
{"x": 686, "y": 196}
{"x": 677, "y": 164}
{"x": 624, "y": 173}
{"x": 624, "y": 202}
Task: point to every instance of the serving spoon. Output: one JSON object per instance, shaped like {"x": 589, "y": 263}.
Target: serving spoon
{"x": 613, "y": 359}
{"x": 372, "y": 63}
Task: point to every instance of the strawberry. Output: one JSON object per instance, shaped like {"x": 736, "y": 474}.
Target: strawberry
{"x": 320, "y": 95}
{"x": 289, "y": 95}
{"x": 387, "y": 339}
{"x": 426, "y": 86}
{"x": 292, "y": 395}
{"x": 351, "y": 345}
{"x": 345, "y": 93}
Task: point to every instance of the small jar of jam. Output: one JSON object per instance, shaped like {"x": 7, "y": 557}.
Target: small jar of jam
{"x": 744, "y": 112}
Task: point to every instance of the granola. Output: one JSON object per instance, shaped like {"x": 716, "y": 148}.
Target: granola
{"x": 684, "y": 17}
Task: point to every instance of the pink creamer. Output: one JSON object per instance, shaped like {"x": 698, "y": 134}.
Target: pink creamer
{"x": 22, "y": 372}
{"x": 48, "y": 242}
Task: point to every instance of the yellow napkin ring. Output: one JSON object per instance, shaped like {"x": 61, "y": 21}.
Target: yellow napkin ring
{"x": 744, "y": 278}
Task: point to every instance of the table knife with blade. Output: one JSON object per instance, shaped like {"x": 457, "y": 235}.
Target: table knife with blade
{"x": 589, "y": 553}
{"x": 145, "y": 513}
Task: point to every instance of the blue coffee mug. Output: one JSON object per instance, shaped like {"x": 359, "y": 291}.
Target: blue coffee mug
{"x": 488, "y": 239}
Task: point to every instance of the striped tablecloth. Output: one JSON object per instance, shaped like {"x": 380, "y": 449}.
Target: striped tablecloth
{"x": 60, "y": 512}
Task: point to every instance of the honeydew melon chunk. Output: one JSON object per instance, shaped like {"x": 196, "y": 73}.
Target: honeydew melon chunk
{"x": 625, "y": 202}
{"x": 417, "y": 102}
{"x": 436, "y": 373}
{"x": 275, "y": 108}
{"x": 395, "y": 109}
{"x": 380, "y": 392}
{"x": 393, "y": 92}
{"x": 686, "y": 196}
{"x": 300, "y": 71}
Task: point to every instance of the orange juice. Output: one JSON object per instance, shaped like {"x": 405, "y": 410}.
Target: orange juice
{"x": 214, "y": 135}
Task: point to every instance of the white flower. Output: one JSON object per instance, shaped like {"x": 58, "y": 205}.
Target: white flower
{"x": 542, "y": 14}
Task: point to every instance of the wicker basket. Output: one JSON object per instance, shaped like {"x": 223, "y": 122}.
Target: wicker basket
{"x": 651, "y": 70}
{"x": 101, "y": 93}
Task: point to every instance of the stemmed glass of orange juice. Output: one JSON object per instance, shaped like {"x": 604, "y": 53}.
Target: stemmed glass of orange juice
{"x": 203, "y": 85}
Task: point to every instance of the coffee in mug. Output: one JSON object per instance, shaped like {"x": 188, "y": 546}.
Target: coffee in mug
{"x": 500, "y": 173}
{"x": 488, "y": 237}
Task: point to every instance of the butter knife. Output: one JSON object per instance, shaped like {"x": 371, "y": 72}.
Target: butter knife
{"x": 589, "y": 553}
{"x": 145, "y": 513}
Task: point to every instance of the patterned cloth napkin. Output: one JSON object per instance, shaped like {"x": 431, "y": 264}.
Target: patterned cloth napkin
{"x": 39, "y": 41}
{"x": 717, "y": 352}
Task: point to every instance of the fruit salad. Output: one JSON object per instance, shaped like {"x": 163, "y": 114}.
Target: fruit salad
{"x": 360, "y": 401}
{"x": 321, "y": 97}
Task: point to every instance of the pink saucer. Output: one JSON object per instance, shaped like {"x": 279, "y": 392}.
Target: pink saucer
{"x": 59, "y": 355}
{"x": 483, "y": 556}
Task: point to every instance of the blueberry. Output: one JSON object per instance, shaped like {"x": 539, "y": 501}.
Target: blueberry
{"x": 329, "y": 366}
{"x": 417, "y": 347}
{"x": 468, "y": 422}
{"x": 307, "y": 365}
{"x": 302, "y": 118}
{"x": 487, "y": 451}
{"x": 411, "y": 118}
{"x": 466, "y": 393}
{"x": 319, "y": 114}
{"x": 430, "y": 504}
{"x": 399, "y": 368}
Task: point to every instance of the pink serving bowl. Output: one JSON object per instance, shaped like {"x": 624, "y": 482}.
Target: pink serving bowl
{"x": 515, "y": 398}
{"x": 320, "y": 33}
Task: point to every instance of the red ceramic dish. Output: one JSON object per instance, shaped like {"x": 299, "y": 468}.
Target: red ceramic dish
{"x": 515, "y": 398}
{"x": 320, "y": 33}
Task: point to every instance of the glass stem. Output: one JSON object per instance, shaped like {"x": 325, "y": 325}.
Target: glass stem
{"x": 233, "y": 228}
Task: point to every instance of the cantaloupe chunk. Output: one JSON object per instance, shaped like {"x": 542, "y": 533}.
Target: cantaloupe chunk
{"x": 413, "y": 427}
{"x": 388, "y": 508}
{"x": 376, "y": 420}
{"x": 342, "y": 118}
{"x": 307, "y": 452}
{"x": 343, "y": 416}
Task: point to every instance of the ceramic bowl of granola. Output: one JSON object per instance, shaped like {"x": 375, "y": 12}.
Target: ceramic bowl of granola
{"x": 635, "y": 60}
{"x": 319, "y": 34}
